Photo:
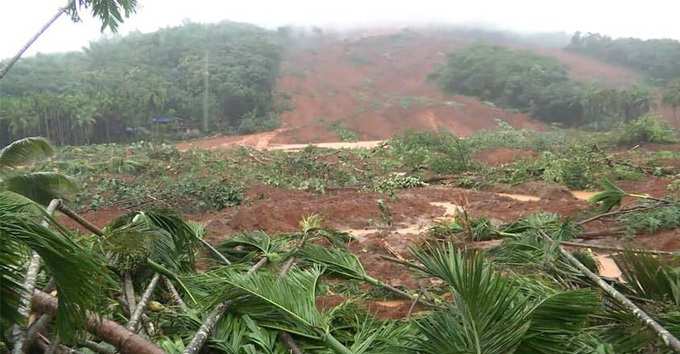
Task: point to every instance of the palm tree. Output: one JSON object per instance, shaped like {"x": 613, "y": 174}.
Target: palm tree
{"x": 109, "y": 12}
{"x": 40, "y": 187}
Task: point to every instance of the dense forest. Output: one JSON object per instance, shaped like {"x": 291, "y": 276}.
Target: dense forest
{"x": 538, "y": 85}
{"x": 212, "y": 77}
{"x": 658, "y": 58}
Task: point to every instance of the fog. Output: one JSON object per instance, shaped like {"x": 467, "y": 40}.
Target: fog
{"x": 618, "y": 18}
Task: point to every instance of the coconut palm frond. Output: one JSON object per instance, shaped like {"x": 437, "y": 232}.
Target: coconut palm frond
{"x": 610, "y": 197}
{"x": 184, "y": 237}
{"x": 197, "y": 229}
{"x": 230, "y": 335}
{"x": 25, "y": 151}
{"x": 464, "y": 328}
{"x": 263, "y": 340}
{"x": 41, "y": 187}
{"x": 626, "y": 334}
{"x": 648, "y": 278}
{"x": 557, "y": 320}
{"x": 337, "y": 261}
{"x": 80, "y": 276}
{"x": 377, "y": 337}
{"x": 548, "y": 223}
{"x": 488, "y": 314}
{"x": 310, "y": 223}
{"x": 247, "y": 245}
{"x": 282, "y": 303}
{"x": 532, "y": 253}
{"x": 11, "y": 202}
{"x": 158, "y": 235}
{"x": 128, "y": 246}
{"x": 172, "y": 345}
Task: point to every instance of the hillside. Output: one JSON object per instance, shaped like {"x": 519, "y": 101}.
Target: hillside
{"x": 372, "y": 86}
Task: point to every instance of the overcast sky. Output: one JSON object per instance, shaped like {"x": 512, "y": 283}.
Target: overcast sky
{"x": 19, "y": 19}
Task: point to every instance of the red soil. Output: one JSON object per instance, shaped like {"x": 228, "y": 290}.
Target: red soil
{"x": 588, "y": 69}
{"x": 377, "y": 87}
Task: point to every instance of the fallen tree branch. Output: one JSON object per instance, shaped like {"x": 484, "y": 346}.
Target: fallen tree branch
{"x": 124, "y": 340}
{"x": 175, "y": 294}
{"x": 615, "y": 212}
{"x": 206, "y": 328}
{"x": 79, "y": 219}
{"x": 209, "y": 323}
{"x": 666, "y": 336}
{"x": 616, "y": 249}
{"x": 129, "y": 291}
{"x": 217, "y": 253}
{"x": 143, "y": 302}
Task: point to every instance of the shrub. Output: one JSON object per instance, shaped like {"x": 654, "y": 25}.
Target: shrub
{"x": 646, "y": 129}
{"x": 397, "y": 181}
{"x": 440, "y": 152}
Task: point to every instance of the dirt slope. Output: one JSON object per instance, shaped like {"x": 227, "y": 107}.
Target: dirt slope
{"x": 374, "y": 84}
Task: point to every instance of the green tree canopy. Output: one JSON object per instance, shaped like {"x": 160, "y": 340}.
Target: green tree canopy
{"x": 113, "y": 89}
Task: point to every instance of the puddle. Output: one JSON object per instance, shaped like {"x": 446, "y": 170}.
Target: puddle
{"x": 520, "y": 197}
{"x": 391, "y": 303}
{"x": 339, "y": 145}
{"x": 608, "y": 267}
{"x": 580, "y": 195}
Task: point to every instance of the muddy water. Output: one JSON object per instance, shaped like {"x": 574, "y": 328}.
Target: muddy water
{"x": 520, "y": 197}
{"x": 608, "y": 267}
{"x": 580, "y": 195}
{"x": 340, "y": 145}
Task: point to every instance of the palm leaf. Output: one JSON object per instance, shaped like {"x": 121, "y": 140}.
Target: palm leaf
{"x": 246, "y": 245}
{"x": 159, "y": 235}
{"x": 80, "y": 276}
{"x": 41, "y": 187}
{"x": 281, "y": 303}
{"x": 487, "y": 315}
{"x": 647, "y": 278}
{"x": 610, "y": 197}
{"x": 337, "y": 261}
{"x": 25, "y": 151}
{"x": 557, "y": 320}
{"x": 376, "y": 337}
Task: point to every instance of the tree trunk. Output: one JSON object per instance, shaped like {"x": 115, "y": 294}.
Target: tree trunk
{"x": 661, "y": 332}
{"x": 77, "y": 218}
{"x": 30, "y": 42}
{"x": 111, "y": 332}
{"x": 29, "y": 287}
{"x": 175, "y": 294}
{"x": 143, "y": 302}
{"x": 206, "y": 328}
{"x": 129, "y": 292}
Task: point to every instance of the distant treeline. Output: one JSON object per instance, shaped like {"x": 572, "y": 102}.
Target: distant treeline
{"x": 657, "y": 58}
{"x": 128, "y": 87}
{"x": 537, "y": 85}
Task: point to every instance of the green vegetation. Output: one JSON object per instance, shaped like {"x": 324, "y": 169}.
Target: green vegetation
{"x": 143, "y": 85}
{"x": 658, "y": 58}
{"x": 344, "y": 133}
{"x": 538, "y": 85}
